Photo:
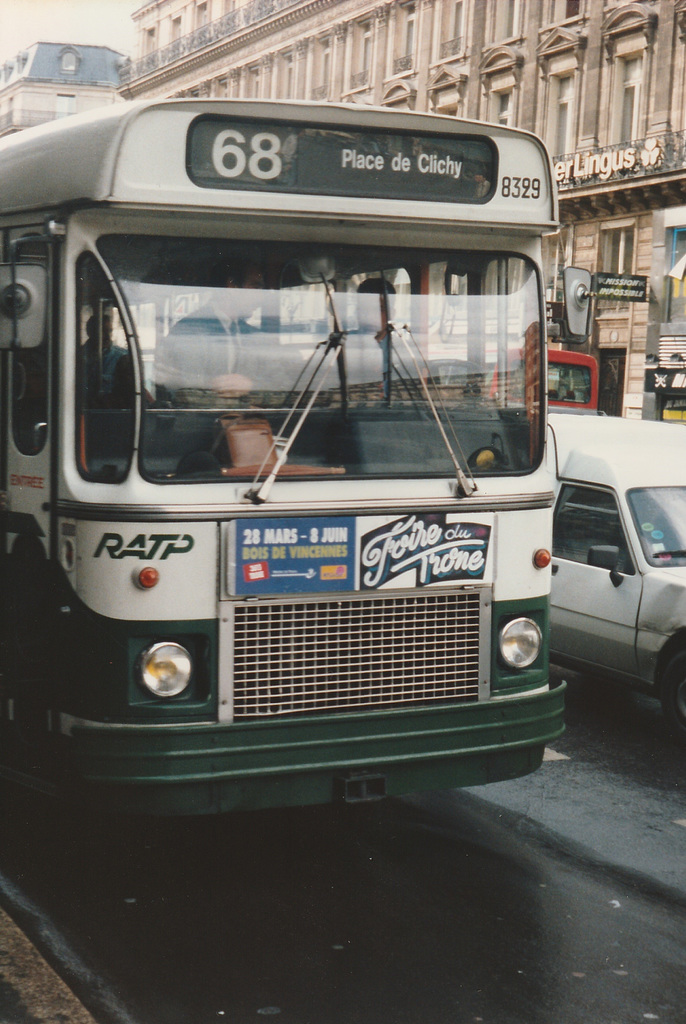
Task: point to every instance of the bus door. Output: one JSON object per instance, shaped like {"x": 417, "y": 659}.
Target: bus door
{"x": 26, "y": 453}
{"x": 4, "y": 407}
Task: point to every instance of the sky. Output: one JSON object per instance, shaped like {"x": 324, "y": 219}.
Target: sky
{"x": 96, "y": 22}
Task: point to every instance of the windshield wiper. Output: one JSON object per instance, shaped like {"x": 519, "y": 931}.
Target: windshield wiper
{"x": 465, "y": 484}
{"x": 333, "y": 352}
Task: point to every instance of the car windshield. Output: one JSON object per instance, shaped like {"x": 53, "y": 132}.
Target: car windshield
{"x": 235, "y": 340}
{"x": 659, "y": 514}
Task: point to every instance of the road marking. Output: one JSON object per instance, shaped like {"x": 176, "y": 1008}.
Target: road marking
{"x": 681, "y": 821}
{"x": 552, "y": 755}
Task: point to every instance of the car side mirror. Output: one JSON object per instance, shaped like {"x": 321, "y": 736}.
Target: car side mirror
{"x": 606, "y": 556}
{"x": 577, "y": 303}
{"x": 23, "y": 300}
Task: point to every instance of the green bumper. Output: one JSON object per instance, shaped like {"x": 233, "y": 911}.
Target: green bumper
{"x": 208, "y": 768}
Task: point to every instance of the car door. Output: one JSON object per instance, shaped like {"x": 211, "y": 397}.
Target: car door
{"x": 593, "y": 612}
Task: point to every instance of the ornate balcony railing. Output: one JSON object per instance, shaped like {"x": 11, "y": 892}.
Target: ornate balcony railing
{"x": 360, "y": 79}
{"x": 228, "y": 25}
{"x": 449, "y": 47}
{"x": 401, "y": 64}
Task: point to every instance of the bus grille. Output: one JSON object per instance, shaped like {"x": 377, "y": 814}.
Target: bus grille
{"x": 340, "y": 655}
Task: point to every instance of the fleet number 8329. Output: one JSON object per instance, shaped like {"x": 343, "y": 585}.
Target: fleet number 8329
{"x": 521, "y": 188}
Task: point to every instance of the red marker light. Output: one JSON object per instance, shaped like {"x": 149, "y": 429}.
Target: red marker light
{"x": 542, "y": 558}
{"x": 147, "y": 578}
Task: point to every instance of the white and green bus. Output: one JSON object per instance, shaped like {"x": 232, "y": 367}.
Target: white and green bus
{"x": 275, "y": 518}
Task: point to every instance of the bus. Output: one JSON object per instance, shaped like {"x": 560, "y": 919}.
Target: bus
{"x": 268, "y": 537}
{"x": 572, "y": 381}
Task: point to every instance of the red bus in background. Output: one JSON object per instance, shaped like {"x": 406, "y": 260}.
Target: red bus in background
{"x": 572, "y": 380}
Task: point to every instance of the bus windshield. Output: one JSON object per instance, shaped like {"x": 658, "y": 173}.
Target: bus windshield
{"x": 233, "y": 339}
{"x": 568, "y": 384}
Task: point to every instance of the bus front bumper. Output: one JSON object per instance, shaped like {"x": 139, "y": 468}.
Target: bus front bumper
{"x": 202, "y": 768}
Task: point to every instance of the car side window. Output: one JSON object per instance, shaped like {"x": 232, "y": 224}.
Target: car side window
{"x": 584, "y": 518}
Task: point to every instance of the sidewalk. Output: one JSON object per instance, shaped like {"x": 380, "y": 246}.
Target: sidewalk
{"x": 30, "y": 991}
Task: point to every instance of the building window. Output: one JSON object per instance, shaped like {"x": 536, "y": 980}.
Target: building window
{"x": 253, "y": 83}
{"x": 367, "y": 41}
{"x": 364, "y": 47}
{"x": 324, "y": 63}
{"x": 505, "y": 19}
{"x": 150, "y": 40}
{"x": 410, "y": 29}
{"x": 406, "y": 38}
{"x": 560, "y": 10}
{"x": 320, "y": 91}
{"x": 676, "y": 278}
{"x": 69, "y": 62}
{"x": 201, "y": 15}
{"x": 630, "y": 71}
{"x": 458, "y": 19}
{"x": 616, "y": 257}
{"x": 287, "y": 76}
{"x": 563, "y": 89}
{"x": 501, "y": 107}
{"x": 65, "y": 105}
{"x": 617, "y": 250}
{"x": 453, "y": 29}
{"x": 175, "y": 29}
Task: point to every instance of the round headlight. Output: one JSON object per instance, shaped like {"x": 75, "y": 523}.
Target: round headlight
{"x": 520, "y": 643}
{"x": 165, "y": 669}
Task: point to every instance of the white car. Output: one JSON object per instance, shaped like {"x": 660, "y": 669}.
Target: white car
{"x": 618, "y": 603}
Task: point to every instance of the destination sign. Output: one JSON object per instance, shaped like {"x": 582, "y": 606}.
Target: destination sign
{"x": 278, "y": 157}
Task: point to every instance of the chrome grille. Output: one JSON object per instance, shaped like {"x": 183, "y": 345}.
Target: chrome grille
{"x": 362, "y": 653}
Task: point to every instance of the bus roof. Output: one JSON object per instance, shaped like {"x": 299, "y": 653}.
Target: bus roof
{"x": 561, "y": 355}
{"x": 144, "y": 153}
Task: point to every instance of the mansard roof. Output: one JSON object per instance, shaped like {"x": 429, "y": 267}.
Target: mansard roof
{"x": 45, "y": 62}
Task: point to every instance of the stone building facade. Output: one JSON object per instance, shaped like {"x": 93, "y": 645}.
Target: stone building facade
{"x": 51, "y": 80}
{"x": 602, "y": 81}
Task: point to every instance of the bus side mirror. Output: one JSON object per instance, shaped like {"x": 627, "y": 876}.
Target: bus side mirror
{"x": 22, "y": 305}
{"x": 577, "y": 298}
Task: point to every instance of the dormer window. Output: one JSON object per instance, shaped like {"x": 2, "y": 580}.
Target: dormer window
{"x": 69, "y": 62}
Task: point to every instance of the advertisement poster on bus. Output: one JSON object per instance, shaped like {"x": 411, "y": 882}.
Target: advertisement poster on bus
{"x": 323, "y": 554}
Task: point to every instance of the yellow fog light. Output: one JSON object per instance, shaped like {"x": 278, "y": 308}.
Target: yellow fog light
{"x": 165, "y": 669}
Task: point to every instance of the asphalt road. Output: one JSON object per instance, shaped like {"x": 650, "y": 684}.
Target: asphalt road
{"x": 557, "y": 899}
